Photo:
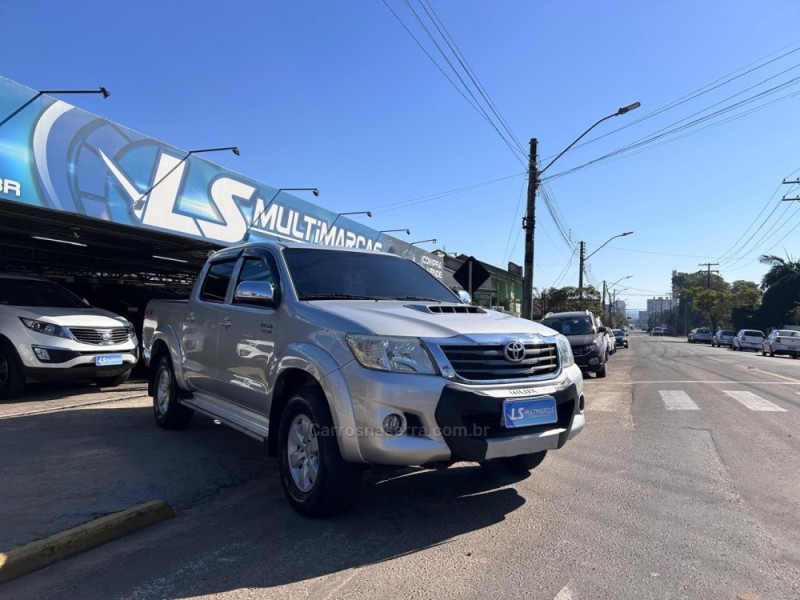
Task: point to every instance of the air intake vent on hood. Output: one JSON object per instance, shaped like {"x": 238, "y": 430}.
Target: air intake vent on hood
{"x": 460, "y": 309}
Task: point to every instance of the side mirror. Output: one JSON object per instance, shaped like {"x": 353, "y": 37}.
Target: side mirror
{"x": 464, "y": 296}
{"x": 601, "y": 329}
{"x": 261, "y": 293}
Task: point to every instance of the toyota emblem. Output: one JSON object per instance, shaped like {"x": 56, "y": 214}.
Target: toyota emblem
{"x": 515, "y": 351}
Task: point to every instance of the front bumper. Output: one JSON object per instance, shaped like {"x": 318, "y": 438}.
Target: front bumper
{"x": 446, "y": 421}
{"x": 67, "y": 360}
{"x": 591, "y": 361}
{"x": 471, "y": 424}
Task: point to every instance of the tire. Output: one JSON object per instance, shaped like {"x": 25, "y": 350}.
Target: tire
{"x": 316, "y": 479}
{"x": 771, "y": 351}
{"x": 113, "y": 381}
{"x": 167, "y": 409}
{"x": 12, "y": 377}
{"x": 517, "y": 465}
{"x": 602, "y": 372}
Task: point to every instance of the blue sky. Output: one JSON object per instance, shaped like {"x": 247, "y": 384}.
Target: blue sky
{"x": 338, "y": 95}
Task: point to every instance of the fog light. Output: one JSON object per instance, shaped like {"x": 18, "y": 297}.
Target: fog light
{"x": 393, "y": 424}
{"x": 594, "y": 360}
{"x": 41, "y": 353}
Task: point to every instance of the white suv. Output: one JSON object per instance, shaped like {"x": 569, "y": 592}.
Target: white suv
{"x": 47, "y": 332}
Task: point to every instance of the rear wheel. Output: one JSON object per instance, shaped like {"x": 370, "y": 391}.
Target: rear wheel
{"x": 317, "y": 481}
{"x": 168, "y": 411}
{"x": 12, "y": 377}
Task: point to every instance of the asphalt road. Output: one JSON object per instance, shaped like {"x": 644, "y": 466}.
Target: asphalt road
{"x": 684, "y": 484}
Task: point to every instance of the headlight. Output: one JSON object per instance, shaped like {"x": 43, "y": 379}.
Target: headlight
{"x": 397, "y": 354}
{"x": 565, "y": 350}
{"x": 46, "y": 328}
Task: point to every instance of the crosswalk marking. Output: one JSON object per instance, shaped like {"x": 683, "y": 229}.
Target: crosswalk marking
{"x": 754, "y": 402}
{"x": 677, "y": 400}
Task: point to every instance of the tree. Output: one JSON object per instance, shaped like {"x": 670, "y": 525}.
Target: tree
{"x": 781, "y": 285}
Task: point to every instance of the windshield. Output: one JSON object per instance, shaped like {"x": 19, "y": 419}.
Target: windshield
{"x": 30, "y": 292}
{"x": 321, "y": 274}
{"x": 570, "y": 326}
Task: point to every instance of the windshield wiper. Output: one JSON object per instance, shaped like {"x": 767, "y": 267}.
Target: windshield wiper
{"x": 335, "y": 297}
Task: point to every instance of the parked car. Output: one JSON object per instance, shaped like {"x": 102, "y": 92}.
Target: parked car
{"x": 587, "y": 338}
{"x": 620, "y": 338}
{"x": 657, "y": 331}
{"x": 700, "y": 335}
{"x": 49, "y": 333}
{"x": 723, "y": 337}
{"x": 782, "y": 341}
{"x": 340, "y": 358}
{"x": 611, "y": 342}
{"x": 748, "y": 339}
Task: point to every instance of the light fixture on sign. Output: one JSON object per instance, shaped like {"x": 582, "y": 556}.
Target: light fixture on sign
{"x": 47, "y": 239}
{"x": 180, "y": 260}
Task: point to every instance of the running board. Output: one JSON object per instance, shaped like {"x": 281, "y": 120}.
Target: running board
{"x": 232, "y": 415}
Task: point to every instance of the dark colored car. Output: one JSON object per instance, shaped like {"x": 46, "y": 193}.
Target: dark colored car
{"x": 620, "y": 338}
{"x": 587, "y": 338}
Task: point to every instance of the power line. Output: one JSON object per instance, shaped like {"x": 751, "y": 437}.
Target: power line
{"x": 724, "y": 80}
{"x": 474, "y": 103}
{"x": 438, "y": 195}
{"x": 469, "y": 71}
{"x": 675, "y": 127}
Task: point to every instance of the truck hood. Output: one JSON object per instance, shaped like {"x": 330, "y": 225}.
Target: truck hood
{"x": 420, "y": 319}
{"x": 70, "y": 317}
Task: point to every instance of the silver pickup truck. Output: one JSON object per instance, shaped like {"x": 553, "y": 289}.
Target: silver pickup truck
{"x": 340, "y": 358}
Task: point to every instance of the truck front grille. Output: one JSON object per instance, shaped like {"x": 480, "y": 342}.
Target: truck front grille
{"x": 488, "y": 362}
{"x": 101, "y": 337}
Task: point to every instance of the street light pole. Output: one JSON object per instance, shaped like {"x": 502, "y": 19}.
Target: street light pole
{"x": 529, "y": 220}
{"x": 583, "y": 259}
{"x": 101, "y": 90}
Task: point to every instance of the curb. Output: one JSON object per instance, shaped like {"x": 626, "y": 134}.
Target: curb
{"x": 40, "y": 553}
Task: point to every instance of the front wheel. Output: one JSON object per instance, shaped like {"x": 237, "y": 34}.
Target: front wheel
{"x": 524, "y": 463}
{"x": 168, "y": 411}
{"x": 12, "y": 378}
{"x": 602, "y": 372}
{"x": 316, "y": 479}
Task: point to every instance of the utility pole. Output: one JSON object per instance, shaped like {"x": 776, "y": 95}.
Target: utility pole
{"x": 529, "y": 220}
{"x": 529, "y": 225}
{"x": 708, "y": 273}
{"x": 793, "y": 182}
{"x": 581, "y": 267}
{"x": 603, "y": 303}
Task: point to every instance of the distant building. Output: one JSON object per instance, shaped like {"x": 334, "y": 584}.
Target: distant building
{"x": 502, "y": 291}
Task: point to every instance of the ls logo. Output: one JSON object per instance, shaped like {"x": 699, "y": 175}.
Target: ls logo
{"x": 157, "y": 205}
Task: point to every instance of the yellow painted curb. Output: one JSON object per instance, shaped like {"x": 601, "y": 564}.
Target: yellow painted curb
{"x": 40, "y": 553}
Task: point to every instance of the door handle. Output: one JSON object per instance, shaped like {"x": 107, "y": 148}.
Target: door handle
{"x": 190, "y": 318}
{"x": 225, "y": 323}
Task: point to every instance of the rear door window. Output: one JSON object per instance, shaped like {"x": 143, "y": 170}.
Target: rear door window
{"x": 215, "y": 285}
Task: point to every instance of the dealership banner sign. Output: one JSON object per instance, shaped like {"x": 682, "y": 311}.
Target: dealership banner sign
{"x": 57, "y": 156}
